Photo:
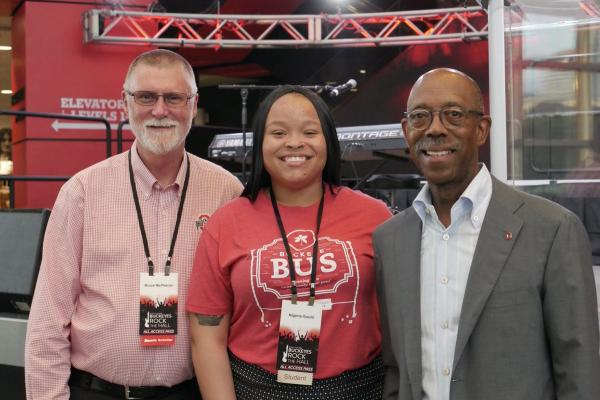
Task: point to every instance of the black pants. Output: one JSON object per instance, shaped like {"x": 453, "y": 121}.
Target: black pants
{"x": 190, "y": 392}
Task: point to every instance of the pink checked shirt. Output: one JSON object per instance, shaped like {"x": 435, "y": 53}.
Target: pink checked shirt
{"x": 85, "y": 309}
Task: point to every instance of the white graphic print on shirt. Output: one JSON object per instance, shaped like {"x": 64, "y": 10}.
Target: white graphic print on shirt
{"x": 337, "y": 279}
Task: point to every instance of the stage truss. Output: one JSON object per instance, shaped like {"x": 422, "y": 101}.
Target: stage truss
{"x": 285, "y": 31}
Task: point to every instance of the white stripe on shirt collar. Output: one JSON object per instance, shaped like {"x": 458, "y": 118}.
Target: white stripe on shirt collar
{"x": 477, "y": 195}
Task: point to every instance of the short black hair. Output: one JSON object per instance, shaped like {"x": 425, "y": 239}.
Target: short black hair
{"x": 259, "y": 177}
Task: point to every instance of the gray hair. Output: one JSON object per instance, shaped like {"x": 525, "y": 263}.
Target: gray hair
{"x": 159, "y": 58}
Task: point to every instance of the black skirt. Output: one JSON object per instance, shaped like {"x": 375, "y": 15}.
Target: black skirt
{"x": 254, "y": 383}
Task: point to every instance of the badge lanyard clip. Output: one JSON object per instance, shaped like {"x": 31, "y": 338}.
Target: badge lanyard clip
{"x": 150, "y": 266}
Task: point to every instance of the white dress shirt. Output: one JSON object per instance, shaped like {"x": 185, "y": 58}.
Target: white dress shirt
{"x": 446, "y": 256}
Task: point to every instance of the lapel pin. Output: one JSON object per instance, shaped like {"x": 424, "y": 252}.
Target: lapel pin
{"x": 201, "y": 221}
{"x": 508, "y": 235}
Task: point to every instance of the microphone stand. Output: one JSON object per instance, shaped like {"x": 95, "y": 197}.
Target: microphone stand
{"x": 244, "y": 92}
{"x": 244, "y": 95}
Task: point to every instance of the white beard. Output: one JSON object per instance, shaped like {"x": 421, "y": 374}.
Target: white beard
{"x": 159, "y": 143}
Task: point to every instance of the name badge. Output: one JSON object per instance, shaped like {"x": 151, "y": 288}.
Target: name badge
{"x": 158, "y": 309}
{"x": 299, "y": 331}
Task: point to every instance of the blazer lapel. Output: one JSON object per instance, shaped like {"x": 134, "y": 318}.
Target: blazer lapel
{"x": 498, "y": 234}
{"x": 408, "y": 259}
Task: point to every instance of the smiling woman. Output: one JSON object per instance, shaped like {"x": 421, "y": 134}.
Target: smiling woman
{"x": 299, "y": 120}
{"x": 294, "y": 150}
{"x": 296, "y": 245}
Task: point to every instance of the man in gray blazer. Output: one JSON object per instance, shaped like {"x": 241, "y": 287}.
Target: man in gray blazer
{"x": 485, "y": 292}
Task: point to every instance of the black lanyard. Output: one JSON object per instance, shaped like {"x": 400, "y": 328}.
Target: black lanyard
{"x": 141, "y": 220}
{"x": 315, "y": 255}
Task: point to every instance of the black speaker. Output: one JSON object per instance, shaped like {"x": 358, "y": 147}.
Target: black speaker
{"x": 21, "y": 238}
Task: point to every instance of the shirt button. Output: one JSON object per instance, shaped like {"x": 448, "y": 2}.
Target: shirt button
{"x": 446, "y": 371}
{"x": 476, "y": 218}
{"x": 445, "y": 236}
{"x": 163, "y": 212}
{"x": 444, "y": 325}
{"x": 444, "y": 280}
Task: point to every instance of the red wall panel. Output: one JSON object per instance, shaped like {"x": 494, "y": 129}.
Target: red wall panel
{"x": 61, "y": 74}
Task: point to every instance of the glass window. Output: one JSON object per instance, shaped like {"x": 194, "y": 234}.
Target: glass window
{"x": 553, "y": 92}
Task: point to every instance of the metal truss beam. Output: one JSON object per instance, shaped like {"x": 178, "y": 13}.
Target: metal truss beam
{"x": 285, "y": 31}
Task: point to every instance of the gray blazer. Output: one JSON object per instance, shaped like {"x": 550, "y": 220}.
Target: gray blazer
{"x": 529, "y": 324}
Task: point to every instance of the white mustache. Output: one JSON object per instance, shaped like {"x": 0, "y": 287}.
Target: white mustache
{"x": 160, "y": 122}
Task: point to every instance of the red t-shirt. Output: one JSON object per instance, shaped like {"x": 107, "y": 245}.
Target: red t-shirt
{"x": 240, "y": 269}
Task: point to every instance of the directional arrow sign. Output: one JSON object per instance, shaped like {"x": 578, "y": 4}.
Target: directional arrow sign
{"x": 96, "y": 126}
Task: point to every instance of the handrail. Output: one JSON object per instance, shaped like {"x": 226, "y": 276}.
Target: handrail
{"x": 67, "y": 116}
{"x": 120, "y": 135}
{"x": 12, "y": 178}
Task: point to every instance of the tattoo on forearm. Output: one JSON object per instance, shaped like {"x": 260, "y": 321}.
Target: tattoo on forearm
{"x": 209, "y": 320}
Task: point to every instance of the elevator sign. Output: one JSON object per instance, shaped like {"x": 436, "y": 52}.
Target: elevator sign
{"x": 109, "y": 109}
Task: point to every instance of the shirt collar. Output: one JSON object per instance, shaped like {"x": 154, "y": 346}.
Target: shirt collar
{"x": 476, "y": 197}
{"x": 422, "y": 203}
{"x": 146, "y": 180}
{"x": 180, "y": 178}
{"x": 478, "y": 194}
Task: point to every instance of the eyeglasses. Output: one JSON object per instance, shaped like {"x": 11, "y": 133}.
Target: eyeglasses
{"x": 452, "y": 117}
{"x": 145, "y": 98}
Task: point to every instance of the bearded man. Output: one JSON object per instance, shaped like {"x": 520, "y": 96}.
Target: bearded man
{"x": 118, "y": 254}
